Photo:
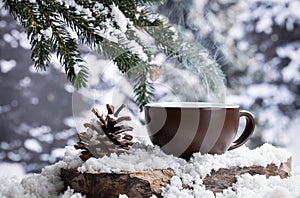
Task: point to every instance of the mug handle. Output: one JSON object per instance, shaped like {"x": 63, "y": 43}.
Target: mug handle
{"x": 248, "y": 131}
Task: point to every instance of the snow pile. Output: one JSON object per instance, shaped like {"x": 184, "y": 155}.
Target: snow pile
{"x": 202, "y": 165}
{"x": 247, "y": 186}
{"x": 12, "y": 169}
{"x": 146, "y": 157}
{"x": 259, "y": 185}
{"x": 175, "y": 189}
{"x": 46, "y": 184}
{"x": 141, "y": 157}
{"x": 190, "y": 173}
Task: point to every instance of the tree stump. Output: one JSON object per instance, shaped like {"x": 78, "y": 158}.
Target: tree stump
{"x": 147, "y": 183}
{"x": 133, "y": 184}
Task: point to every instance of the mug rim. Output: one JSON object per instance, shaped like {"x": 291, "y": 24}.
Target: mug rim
{"x": 191, "y": 105}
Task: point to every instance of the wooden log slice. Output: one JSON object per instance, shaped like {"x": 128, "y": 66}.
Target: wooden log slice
{"x": 106, "y": 185}
{"x": 219, "y": 180}
{"x": 146, "y": 183}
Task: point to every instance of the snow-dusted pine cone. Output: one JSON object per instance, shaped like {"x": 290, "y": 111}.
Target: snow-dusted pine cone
{"x": 106, "y": 135}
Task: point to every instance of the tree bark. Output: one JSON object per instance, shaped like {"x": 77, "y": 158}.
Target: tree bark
{"x": 133, "y": 184}
{"x": 219, "y": 180}
{"x": 147, "y": 183}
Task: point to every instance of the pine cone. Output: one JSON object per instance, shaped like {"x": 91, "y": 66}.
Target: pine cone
{"x": 105, "y": 135}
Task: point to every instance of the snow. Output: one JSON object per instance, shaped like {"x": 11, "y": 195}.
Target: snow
{"x": 14, "y": 156}
{"x": 69, "y": 193}
{"x": 64, "y": 134}
{"x": 146, "y": 157}
{"x": 260, "y": 186}
{"x": 69, "y": 88}
{"x": 119, "y": 17}
{"x": 32, "y": 69}
{"x": 143, "y": 157}
{"x": 137, "y": 49}
{"x": 5, "y": 108}
{"x": 11, "y": 169}
{"x": 7, "y": 66}
{"x": 34, "y": 101}
{"x": 69, "y": 121}
{"x": 268, "y": 14}
{"x": 33, "y": 145}
{"x": 98, "y": 6}
{"x": 291, "y": 72}
{"x": 290, "y": 138}
{"x": 264, "y": 25}
{"x": 16, "y": 38}
{"x": 25, "y": 82}
{"x": 123, "y": 196}
{"x": 46, "y": 184}
{"x": 294, "y": 8}
{"x": 47, "y": 33}
{"x": 270, "y": 91}
{"x": 140, "y": 158}
{"x": 57, "y": 153}
{"x": 77, "y": 68}
{"x": 37, "y": 131}
{"x": 42, "y": 133}
{"x": 243, "y": 45}
{"x": 3, "y": 23}
{"x": 10, "y": 39}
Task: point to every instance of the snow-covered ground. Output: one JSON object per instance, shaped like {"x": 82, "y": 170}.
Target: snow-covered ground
{"x": 12, "y": 170}
{"x": 41, "y": 143}
{"x": 141, "y": 157}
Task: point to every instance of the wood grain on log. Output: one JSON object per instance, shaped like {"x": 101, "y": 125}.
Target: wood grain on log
{"x": 133, "y": 184}
{"x": 147, "y": 183}
{"x": 223, "y": 178}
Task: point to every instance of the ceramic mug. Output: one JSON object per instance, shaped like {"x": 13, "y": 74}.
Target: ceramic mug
{"x": 184, "y": 128}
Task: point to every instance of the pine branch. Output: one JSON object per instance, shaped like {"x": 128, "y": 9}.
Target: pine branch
{"x": 129, "y": 3}
{"x": 38, "y": 19}
{"x": 96, "y": 25}
{"x": 137, "y": 71}
{"x": 120, "y": 52}
{"x": 41, "y": 46}
{"x": 143, "y": 88}
{"x": 65, "y": 46}
{"x": 192, "y": 56}
{"x": 82, "y": 24}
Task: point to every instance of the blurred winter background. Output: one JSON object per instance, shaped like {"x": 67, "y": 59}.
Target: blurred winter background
{"x": 257, "y": 42}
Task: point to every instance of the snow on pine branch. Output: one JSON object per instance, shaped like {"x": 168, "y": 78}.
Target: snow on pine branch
{"x": 290, "y": 73}
{"x": 58, "y": 28}
{"x": 270, "y": 13}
